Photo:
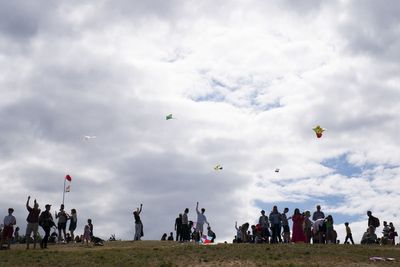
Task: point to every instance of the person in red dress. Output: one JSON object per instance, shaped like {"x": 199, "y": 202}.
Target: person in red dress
{"x": 298, "y": 235}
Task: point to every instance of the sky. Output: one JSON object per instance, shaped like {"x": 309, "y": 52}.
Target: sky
{"x": 246, "y": 82}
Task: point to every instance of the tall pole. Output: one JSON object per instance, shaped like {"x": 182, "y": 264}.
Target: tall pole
{"x": 64, "y": 191}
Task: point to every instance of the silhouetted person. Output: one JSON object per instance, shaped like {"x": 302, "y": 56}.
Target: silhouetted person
{"x": 348, "y": 234}
{"x": 372, "y": 221}
{"x": 201, "y": 219}
{"x": 178, "y": 228}
{"x": 33, "y": 222}
{"x": 138, "y": 223}
{"x": 62, "y": 223}
{"x": 164, "y": 237}
{"x": 264, "y": 223}
{"x": 211, "y": 234}
{"x": 8, "y": 229}
{"x": 46, "y": 222}
{"x": 185, "y": 225}
{"x": 318, "y": 214}
{"x": 171, "y": 237}
{"x": 73, "y": 222}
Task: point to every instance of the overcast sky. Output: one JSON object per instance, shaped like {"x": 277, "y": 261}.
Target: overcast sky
{"x": 246, "y": 81}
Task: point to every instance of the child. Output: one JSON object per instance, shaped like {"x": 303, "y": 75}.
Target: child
{"x": 348, "y": 234}
{"x": 87, "y": 232}
{"x": 16, "y": 235}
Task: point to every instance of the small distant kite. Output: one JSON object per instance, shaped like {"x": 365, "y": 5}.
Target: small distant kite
{"x": 88, "y": 137}
{"x": 276, "y": 170}
{"x": 318, "y": 131}
{"x": 169, "y": 117}
{"x": 218, "y": 167}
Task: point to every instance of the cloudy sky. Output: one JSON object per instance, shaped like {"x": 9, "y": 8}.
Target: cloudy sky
{"x": 246, "y": 81}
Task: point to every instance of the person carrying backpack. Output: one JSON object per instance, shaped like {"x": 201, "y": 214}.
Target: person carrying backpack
{"x": 46, "y": 222}
{"x": 372, "y": 221}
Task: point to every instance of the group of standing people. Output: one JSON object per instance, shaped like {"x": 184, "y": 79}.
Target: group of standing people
{"x": 388, "y": 233}
{"x": 45, "y": 220}
{"x": 275, "y": 228}
{"x": 183, "y": 226}
{"x": 307, "y": 229}
{"x": 268, "y": 229}
{"x": 186, "y": 230}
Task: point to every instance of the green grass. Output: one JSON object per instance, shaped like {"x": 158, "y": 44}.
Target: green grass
{"x": 157, "y": 253}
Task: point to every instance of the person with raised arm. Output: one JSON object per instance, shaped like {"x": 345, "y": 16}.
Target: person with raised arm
{"x": 33, "y": 222}
{"x": 138, "y": 223}
{"x": 201, "y": 219}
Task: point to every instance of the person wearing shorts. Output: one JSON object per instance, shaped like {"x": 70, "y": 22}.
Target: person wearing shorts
{"x": 8, "y": 230}
{"x": 201, "y": 219}
{"x": 33, "y": 222}
{"x": 62, "y": 223}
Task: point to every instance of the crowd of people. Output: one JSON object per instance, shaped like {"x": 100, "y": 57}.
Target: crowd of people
{"x": 273, "y": 228}
{"x": 187, "y": 230}
{"x": 306, "y": 229}
{"x": 45, "y": 220}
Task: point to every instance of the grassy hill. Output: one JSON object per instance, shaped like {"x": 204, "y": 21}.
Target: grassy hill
{"x": 157, "y": 253}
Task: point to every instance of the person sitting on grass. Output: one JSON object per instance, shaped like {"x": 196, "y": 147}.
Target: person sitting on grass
{"x": 164, "y": 237}
{"x": 211, "y": 234}
{"x": 171, "y": 236}
{"x": 369, "y": 237}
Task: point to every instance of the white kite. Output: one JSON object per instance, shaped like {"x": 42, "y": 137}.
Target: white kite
{"x": 89, "y": 137}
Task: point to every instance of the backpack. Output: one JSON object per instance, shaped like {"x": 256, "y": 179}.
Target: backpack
{"x": 375, "y": 222}
{"x": 41, "y": 219}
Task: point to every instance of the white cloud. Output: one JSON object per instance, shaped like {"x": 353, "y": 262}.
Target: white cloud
{"x": 246, "y": 81}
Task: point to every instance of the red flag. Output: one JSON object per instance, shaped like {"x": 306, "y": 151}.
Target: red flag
{"x": 68, "y": 178}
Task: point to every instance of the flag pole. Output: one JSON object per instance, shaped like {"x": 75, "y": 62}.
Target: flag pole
{"x": 64, "y": 191}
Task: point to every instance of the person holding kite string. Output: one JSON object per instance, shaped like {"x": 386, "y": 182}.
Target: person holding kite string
{"x": 201, "y": 219}
{"x": 138, "y": 223}
{"x": 33, "y": 222}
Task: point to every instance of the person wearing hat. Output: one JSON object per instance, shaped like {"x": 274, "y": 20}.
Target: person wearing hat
{"x": 8, "y": 230}
{"x": 46, "y": 222}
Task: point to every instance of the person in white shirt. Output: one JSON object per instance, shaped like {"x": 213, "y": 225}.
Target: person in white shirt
{"x": 318, "y": 214}
{"x": 201, "y": 219}
{"x": 8, "y": 230}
